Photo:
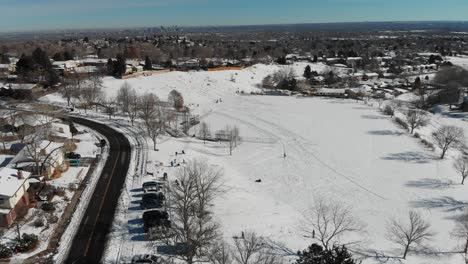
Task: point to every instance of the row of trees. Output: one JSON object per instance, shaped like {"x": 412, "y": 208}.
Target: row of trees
{"x": 445, "y": 137}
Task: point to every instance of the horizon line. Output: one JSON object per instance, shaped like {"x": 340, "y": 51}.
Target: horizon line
{"x": 31, "y": 31}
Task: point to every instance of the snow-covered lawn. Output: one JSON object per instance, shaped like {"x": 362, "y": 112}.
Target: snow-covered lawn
{"x": 335, "y": 149}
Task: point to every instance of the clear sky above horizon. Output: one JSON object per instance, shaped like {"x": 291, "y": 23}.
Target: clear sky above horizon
{"x": 21, "y": 15}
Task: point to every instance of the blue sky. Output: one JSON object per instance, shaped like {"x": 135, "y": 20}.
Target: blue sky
{"x": 20, "y": 15}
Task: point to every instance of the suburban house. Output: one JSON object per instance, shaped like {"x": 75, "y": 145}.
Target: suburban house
{"x": 47, "y": 153}
{"x": 14, "y": 199}
{"x": 20, "y": 90}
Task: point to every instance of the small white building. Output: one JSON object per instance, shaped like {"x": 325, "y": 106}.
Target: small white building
{"x": 14, "y": 198}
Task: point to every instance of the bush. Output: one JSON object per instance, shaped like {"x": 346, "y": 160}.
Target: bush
{"x": 39, "y": 222}
{"x": 72, "y": 186}
{"x": 317, "y": 254}
{"x": 416, "y": 135}
{"x": 5, "y": 252}
{"x": 48, "y": 207}
{"x": 60, "y": 191}
{"x": 52, "y": 219}
{"x": 388, "y": 110}
{"x": 26, "y": 243}
{"x": 427, "y": 144}
{"x": 401, "y": 123}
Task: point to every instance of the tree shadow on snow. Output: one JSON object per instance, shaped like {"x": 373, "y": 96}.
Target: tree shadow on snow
{"x": 137, "y": 230}
{"x": 385, "y": 133}
{"x": 454, "y": 115}
{"x": 139, "y": 238}
{"x": 375, "y": 117}
{"x": 134, "y": 208}
{"x": 137, "y": 221}
{"x": 363, "y": 108}
{"x": 409, "y": 156}
{"x": 428, "y": 183}
{"x": 445, "y": 203}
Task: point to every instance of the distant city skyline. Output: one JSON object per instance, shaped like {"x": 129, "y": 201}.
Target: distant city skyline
{"x": 30, "y": 15}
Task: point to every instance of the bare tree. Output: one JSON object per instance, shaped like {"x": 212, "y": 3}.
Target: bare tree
{"x": 34, "y": 148}
{"x": 177, "y": 100}
{"x": 416, "y": 118}
{"x": 154, "y": 128}
{"x": 133, "y": 107}
{"x": 191, "y": 201}
{"x": 409, "y": 233}
{"x": 204, "y": 131}
{"x": 447, "y": 137}
{"x": 461, "y": 231}
{"x": 148, "y": 107}
{"x": 328, "y": 221}
{"x": 221, "y": 254}
{"x": 254, "y": 249}
{"x": 461, "y": 166}
{"x": 247, "y": 247}
{"x": 109, "y": 105}
{"x": 90, "y": 93}
{"x": 153, "y": 118}
{"x": 230, "y": 135}
{"x": 123, "y": 96}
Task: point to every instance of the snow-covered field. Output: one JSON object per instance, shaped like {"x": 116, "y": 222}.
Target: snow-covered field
{"x": 336, "y": 149}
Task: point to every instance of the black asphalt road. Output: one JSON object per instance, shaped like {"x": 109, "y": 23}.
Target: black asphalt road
{"x": 90, "y": 240}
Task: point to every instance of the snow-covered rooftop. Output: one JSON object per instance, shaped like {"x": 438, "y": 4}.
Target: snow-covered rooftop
{"x": 9, "y": 182}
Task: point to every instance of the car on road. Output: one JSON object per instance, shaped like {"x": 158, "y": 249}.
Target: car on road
{"x": 152, "y": 186}
{"x": 145, "y": 259}
{"x": 152, "y": 200}
{"x": 72, "y": 155}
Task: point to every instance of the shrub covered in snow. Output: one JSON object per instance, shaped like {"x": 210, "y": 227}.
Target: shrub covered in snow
{"x": 26, "y": 243}
{"x": 48, "y": 207}
{"x": 5, "y": 252}
{"x": 401, "y": 123}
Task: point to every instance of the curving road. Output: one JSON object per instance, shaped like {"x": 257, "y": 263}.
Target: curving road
{"x": 90, "y": 239}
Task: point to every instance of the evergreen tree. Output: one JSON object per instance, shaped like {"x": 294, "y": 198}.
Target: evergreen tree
{"x": 110, "y": 66}
{"x": 25, "y": 66}
{"x": 58, "y": 56}
{"x": 41, "y": 59}
{"x": 120, "y": 65}
{"x": 307, "y": 72}
{"x": 417, "y": 83}
{"x": 281, "y": 60}
{"x": 148, "y": 64}
{"x": 315, "y": 59}
{"x": 315, "y": 254}
{"x": 67, "y": 55}
{"x": 4, "y": 59}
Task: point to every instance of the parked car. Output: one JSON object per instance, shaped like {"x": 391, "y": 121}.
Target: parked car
{"x": 155, "y": 218}
{"x": 152, "y": 200}
{"x": 152, "y": 186}
{"x": 72, "y": 155}
{"x": 145, "y": 259}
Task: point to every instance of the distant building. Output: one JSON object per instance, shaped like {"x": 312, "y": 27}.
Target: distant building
{"x": 14, "y": 198}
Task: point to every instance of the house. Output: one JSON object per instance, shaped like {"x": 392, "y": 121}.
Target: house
{"x": 20, "y": 90}
{"x": 49, "y": 154}
{"x": 329, "y": 92}
{"x": 14, "y": 198}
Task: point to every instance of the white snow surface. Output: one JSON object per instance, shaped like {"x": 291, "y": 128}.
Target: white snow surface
{"x": 336, "y": 149}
